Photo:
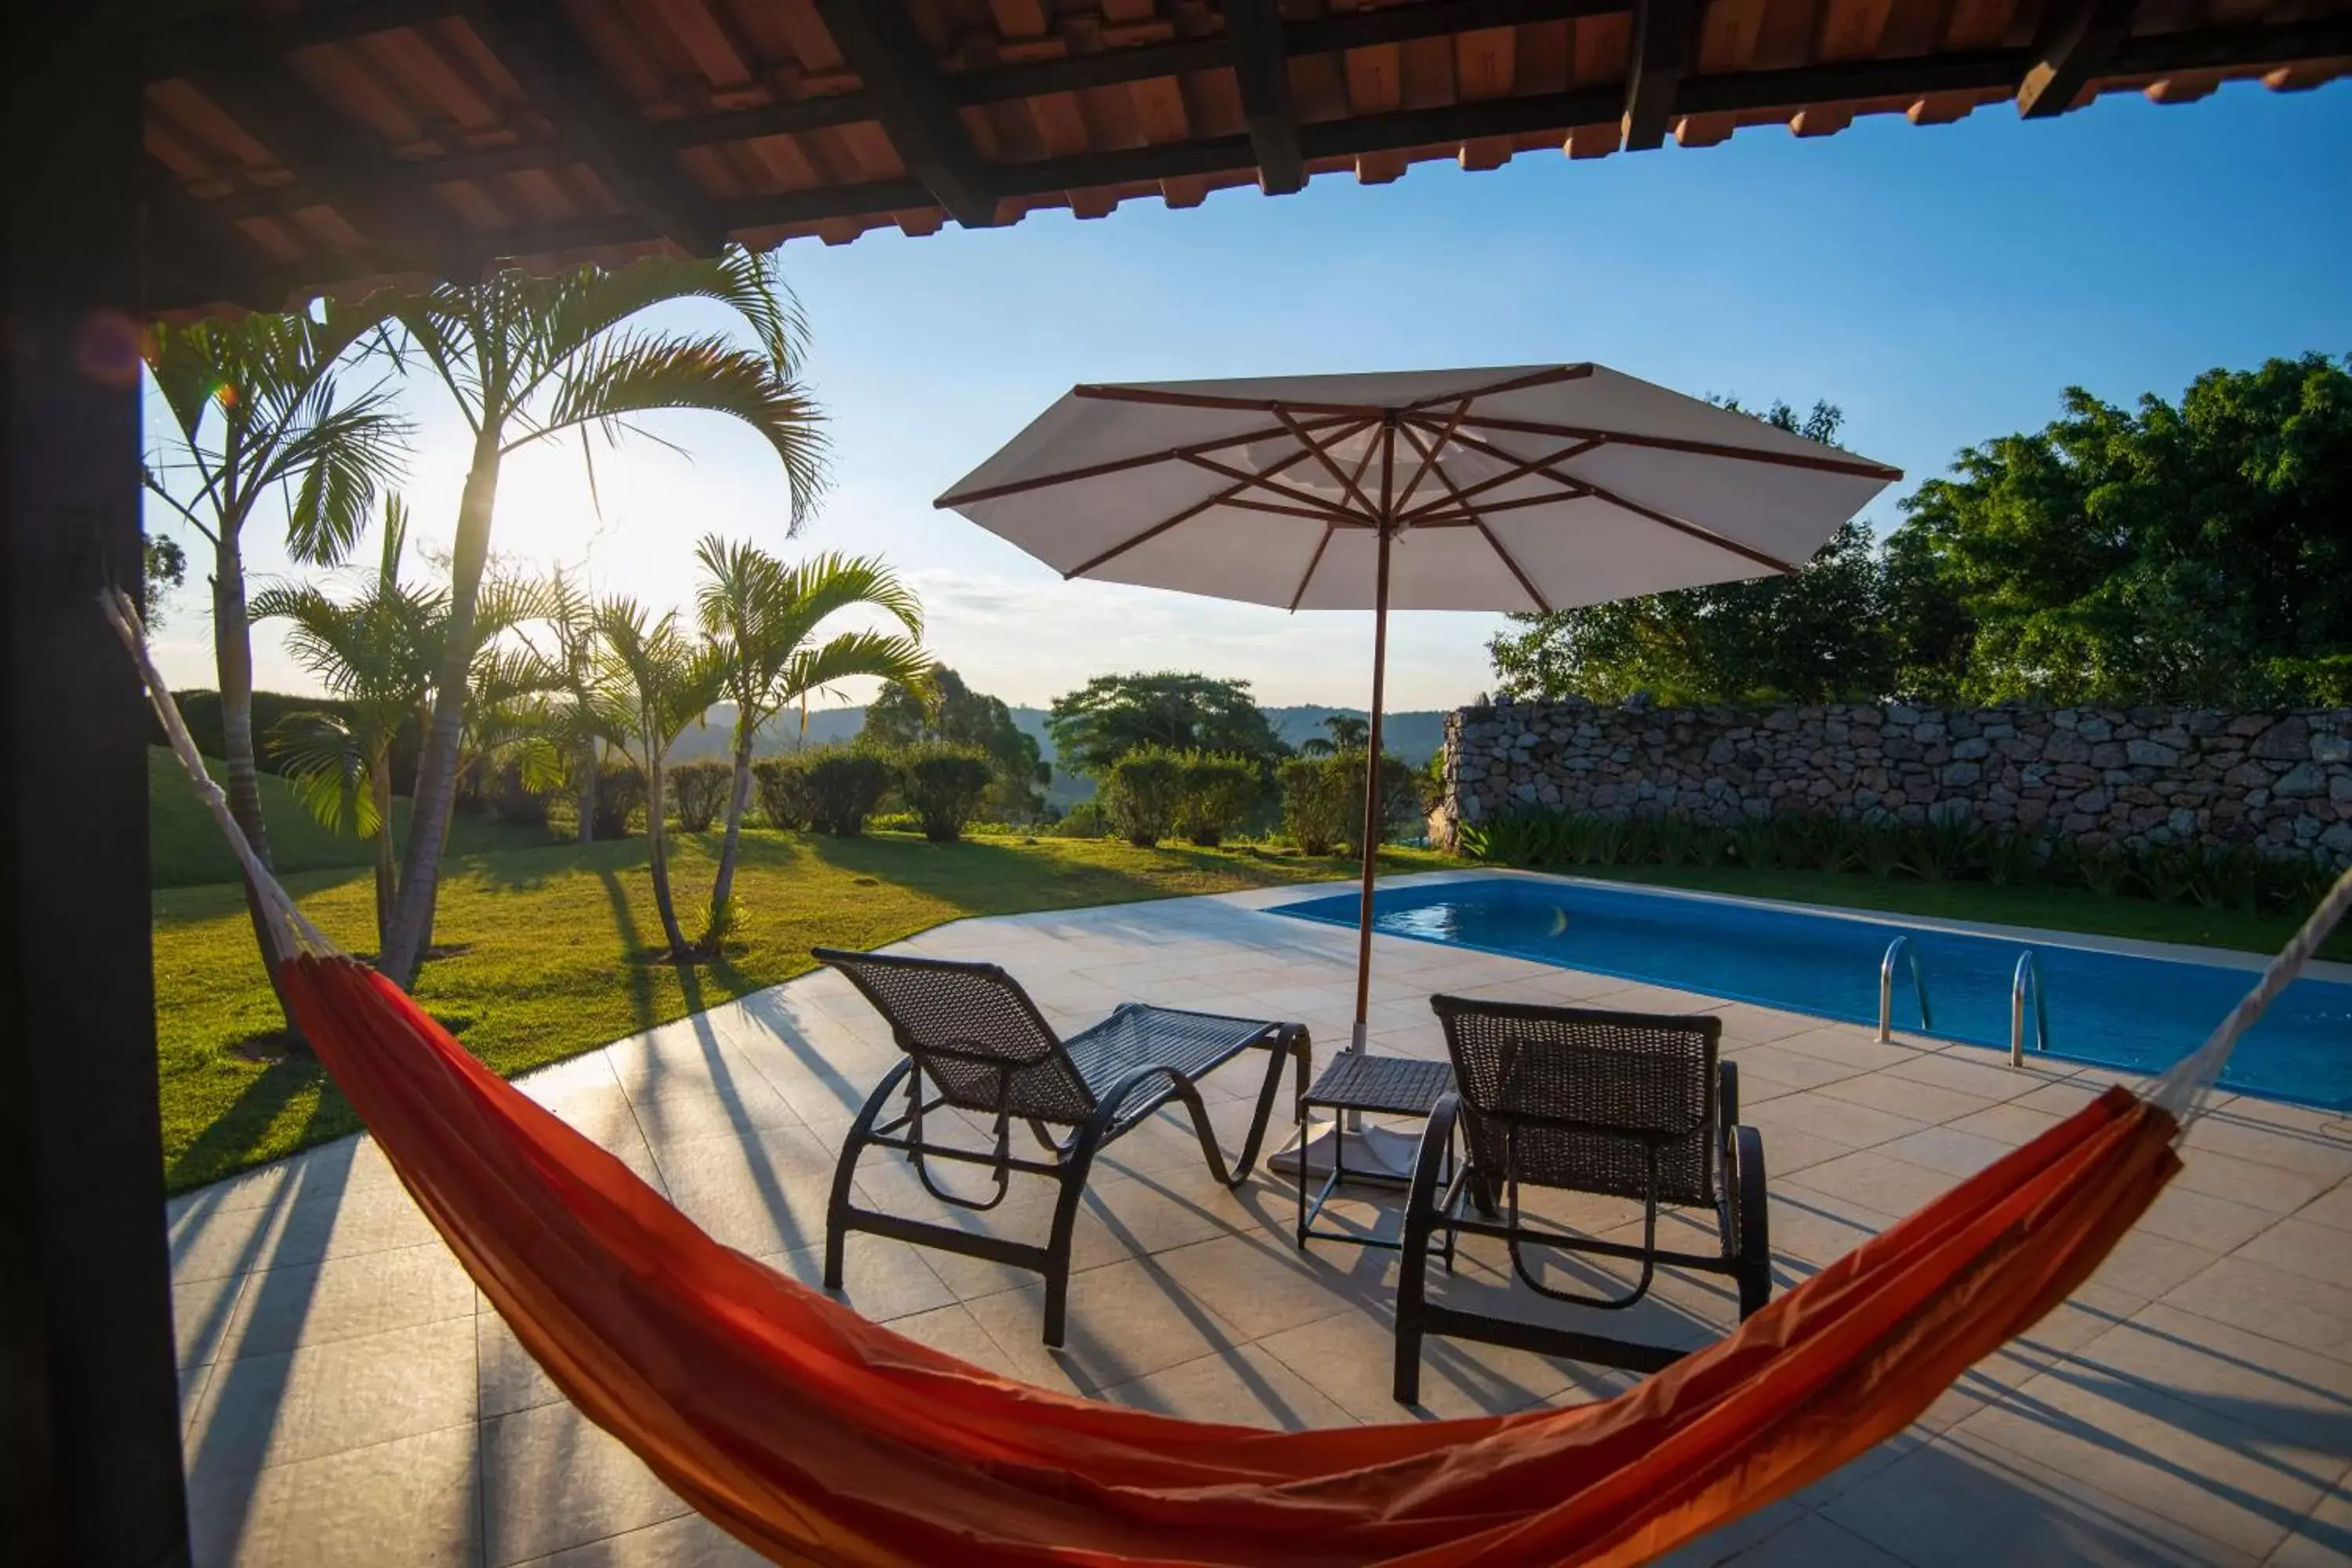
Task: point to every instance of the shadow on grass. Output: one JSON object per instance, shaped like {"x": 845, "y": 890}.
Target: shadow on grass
{"x": 228, "y": 1145}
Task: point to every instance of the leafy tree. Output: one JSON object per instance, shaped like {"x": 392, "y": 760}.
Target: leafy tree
{"x": 164, "y": 567}
{"x": 1341, "y": 733}
{"x": 2197, "y": 553}
{"x": 259, "y": 408}
{"x": 763, "y": 618}
{"x": 664, "y": 681}
{"x": 900, "y": 716}
{"x": 532, "y": 359}
{"x": 1112, "y": 715}
{"x": 375, "y": 654}
{"x": 1820, "y": 634}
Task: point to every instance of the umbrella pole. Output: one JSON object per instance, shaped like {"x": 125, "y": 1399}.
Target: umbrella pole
{"x": 1375, "y": 819}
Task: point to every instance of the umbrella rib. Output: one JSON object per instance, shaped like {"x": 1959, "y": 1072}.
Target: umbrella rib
{"x": 1312, "y": 562}
{"x": 1638, "y": 510}
{"x": 1323, "y": 456}
{"x": 1521, "y": 468}
{"x": 1861, "y": 466}
{"x": 1548, "y": 376}
{"x": 1195, "y": 510}
{"x": 1429, "y": 457}
{"x": 1265, "y": 482}
{"x": 1120, "y": 465}
{"x": 1243, "y": 504}
{"x": 1504, "y": 553}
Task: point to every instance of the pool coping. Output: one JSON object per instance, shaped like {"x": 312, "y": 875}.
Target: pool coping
{"x": 2136, "y": 947}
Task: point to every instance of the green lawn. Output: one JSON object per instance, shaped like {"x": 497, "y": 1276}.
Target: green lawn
{"x": 551, "y": 952}
{"x": 550, "y": 945}
{"x": 187, "y": 851}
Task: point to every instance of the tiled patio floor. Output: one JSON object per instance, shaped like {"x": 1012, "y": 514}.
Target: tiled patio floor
{"x": 349, "y": 1400}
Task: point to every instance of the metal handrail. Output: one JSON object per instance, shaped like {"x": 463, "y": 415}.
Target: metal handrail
{"x": 2027, "y": 976}
{"x": 1901, "y": 944}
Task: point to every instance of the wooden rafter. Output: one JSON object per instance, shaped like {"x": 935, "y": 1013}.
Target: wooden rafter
{"x": 1262, "y": 74}
{"x": 553, "y": 65}
{"x": 189, "y": 256}
{"x": 877, "y": 37}
{"x": 2076, "y": 40}
{"x": 1666, "y": 36}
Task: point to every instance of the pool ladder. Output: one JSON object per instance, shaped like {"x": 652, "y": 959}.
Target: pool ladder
{"x": 1900, "y": 945}
{"x": 2027, "y": 977}
{"x": 2024, "y": 980}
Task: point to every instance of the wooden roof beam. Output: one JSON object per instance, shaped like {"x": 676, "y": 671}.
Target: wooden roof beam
{"x": 877, "y": 37}
{"x": 559, "y": 73}
{"x": 191, "y": 259}
{"x": 1261, "y": 72}
{"x": 2076, "y": 40}
{"x": 1665, "y": 34}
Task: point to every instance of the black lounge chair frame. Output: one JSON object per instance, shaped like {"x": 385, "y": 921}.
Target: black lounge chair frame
{"x": 976, "y": 1043}
{"x": 1627, "y": 1104}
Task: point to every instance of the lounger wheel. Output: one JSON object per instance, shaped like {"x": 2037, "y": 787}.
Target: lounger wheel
{"x": 1749, "y": 1243}
{"x": 1422, "y": 1215}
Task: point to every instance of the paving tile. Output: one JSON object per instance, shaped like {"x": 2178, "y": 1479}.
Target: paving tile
{"x": 1982, "y": 1073}
{"x": 2302, "y": 1246}
{"x": 1351, "y": 1359}
{"x": 2183, "y": 1462}
{"x": 1956, "y": 1154}
{"x": 1725, "y": 1545}
{"x": 1812, "y": 1542}
{"x": 1958, "y": 1503}
{"x": 2216, "y": 1224}
{"x": 1850, "y": 1044}
{"x": 2326, "y": 1159}
{"x": 1264, "y": 1285}
{"x": 2147, "y": 1265}
{"x": 687, "y": 1542}
{"x": 1817, "y": 1226}
{"x": 2247, "y": 1182}
{"x": 552, "y": 1480}
{"x": 1891, "y": 1184}
{"x": 1855, "y": 1126}
{"x": 2332, "y": 1208}
{"x": 1124, "y": 1321}
{"x": 348, "y": 1298}
{"x": 413, "y": 1502}
{"x": 2323, "y": 1538}
{"x": 2014, "y": 1123}
{"x": 201, "y": 1312}
{"x": 506, "y": 1377}
{"x": 1923, "y": 1102}
{"x": 278, "y": 1409}
{"x": 1246, "y": 1387}
{"x": 2297, "y": 1396}
{"x": 1794, "y": 1069}
{"x": 882, "y": 1279}
{"x": 760, "y": 1191}
{"x": 2291, "y": 1308}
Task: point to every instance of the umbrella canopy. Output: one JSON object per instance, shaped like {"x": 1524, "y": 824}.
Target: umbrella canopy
{"x": 1527, "y": 488}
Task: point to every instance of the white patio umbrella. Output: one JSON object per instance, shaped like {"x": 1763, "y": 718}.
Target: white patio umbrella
{"x": 1533, "y": 488}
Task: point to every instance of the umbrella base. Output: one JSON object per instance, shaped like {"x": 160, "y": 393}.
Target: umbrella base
{"x": 1377, "y": 1152}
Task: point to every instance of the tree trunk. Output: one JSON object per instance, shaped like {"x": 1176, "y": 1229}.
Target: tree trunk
{"x": 241, "y": 781}
{"x": 436, "y": 768}
{"x": 587, "y": 790}
{"x": 658, "y": 851}
{"x": 737, "y": 799}
{"x": 387, "y": 866}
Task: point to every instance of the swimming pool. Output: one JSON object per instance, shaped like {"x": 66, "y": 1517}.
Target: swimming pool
{"x": 2111, "y": 1009}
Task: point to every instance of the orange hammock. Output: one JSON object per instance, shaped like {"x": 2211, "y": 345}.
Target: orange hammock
{"x": 815, "y": 1436}
{"x": 819, "y": 1437}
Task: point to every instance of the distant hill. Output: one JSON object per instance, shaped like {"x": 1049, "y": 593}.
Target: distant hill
{"x": 1415, "y": 737}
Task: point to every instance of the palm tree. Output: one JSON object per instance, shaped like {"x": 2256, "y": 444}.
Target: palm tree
{"x": 374, "y": 654}
{"x": 1347, "y": 735}
{"x": 760, "y": 614}
{"x": 664, "y": 681}
{"x": 530, "y": 359}
{"x": 258, "y": 408}
{"x": 576, "y": 716}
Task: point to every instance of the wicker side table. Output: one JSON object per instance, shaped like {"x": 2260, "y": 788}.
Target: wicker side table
{"x": 1365, "y": 1084}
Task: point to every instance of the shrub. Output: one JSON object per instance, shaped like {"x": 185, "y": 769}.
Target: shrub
{"x": 698, "y": 793}
{"x": 620, "y": 791}
{"x": 1217, "y": 793}
{"x": 944, "y": 784}
{"x": 781, "y": 785}
{"x": 1084, "y": 820}
{"x": 1140, "y": 792}
{"x": 844, "y": 788}
{"x": 515, "y": 804}
{"x": 1315, "y": 805}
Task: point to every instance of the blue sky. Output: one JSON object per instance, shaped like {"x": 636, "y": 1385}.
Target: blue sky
{"x": 1941, "y": 284}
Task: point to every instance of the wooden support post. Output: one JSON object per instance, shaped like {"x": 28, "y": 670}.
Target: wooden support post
{"x": 2076, "y": 40}
{"x": 1665, "y": 38}
{"x": 89, "y": 1417}
{"x": 1261, "y": 72}
{"x": 877, "y": 37}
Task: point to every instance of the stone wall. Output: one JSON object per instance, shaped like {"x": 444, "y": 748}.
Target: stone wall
{"x": 2108, "y": 777}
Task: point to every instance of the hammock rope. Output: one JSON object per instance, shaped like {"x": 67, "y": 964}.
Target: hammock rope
{"x": 816, "y": 1437}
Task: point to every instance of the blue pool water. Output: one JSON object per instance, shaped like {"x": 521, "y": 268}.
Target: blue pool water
{"x": 2116, "y": 1010}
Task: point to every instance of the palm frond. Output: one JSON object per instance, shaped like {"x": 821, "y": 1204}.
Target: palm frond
{"x": 885, "y": 656}
{"x": 633, "y": 372}
{"x": 326, "y": 763}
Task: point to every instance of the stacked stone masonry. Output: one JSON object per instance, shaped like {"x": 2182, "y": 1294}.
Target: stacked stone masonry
{"x": 2123, "y": 778}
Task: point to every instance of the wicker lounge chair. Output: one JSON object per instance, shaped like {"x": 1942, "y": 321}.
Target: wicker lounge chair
{"x": 1629, "y": 1104}
{"x": 975, "y": 1043}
